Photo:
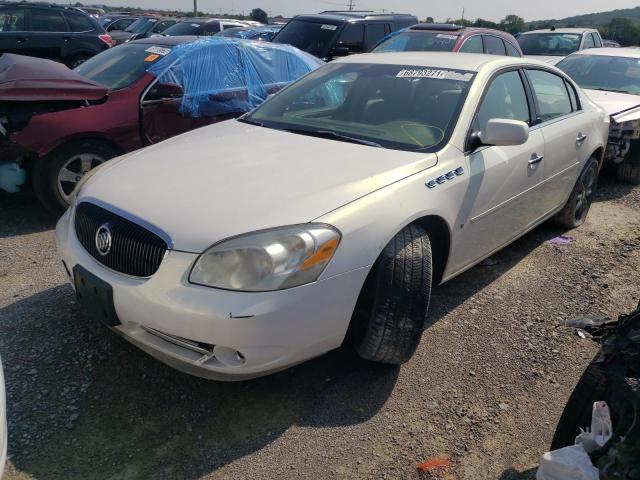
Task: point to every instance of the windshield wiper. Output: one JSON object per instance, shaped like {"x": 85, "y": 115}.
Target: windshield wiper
{"x": 333, "y": 135}
{"x": 608, "y": 90}
{"x": 250, "y": 122}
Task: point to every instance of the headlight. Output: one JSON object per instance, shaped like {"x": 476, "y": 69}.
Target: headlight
{"x": 268, "y": 260}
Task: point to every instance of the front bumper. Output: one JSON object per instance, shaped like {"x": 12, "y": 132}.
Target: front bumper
{"x": 270, "y": 330}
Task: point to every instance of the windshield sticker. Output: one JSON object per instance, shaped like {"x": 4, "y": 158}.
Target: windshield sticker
{"x": 329, "y": 27}
{"x": 447, "y": 36}
{"x": 159, "y": 50}
{"x": 438, "y": 74}
{"x": 153, "y": 20}
{"x": 152, "y": 58}
{"x": 195, "y": 25}
{"x": 571, "y": 36}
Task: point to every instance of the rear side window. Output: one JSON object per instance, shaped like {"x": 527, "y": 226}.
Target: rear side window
{"x": 47, "y": 21}
{"x": 472, "y": 45}
{"x": 211, "y": 28}
{"x": 551, "y": 93}
{"x": 589, "y": 42}
{"x": 505, "y": 98}
{"x": 162, "y": 26}
{"x": 494, "y": 45}
{"x": 78, "y": 22}
{"x": 11, "y": 20}
{"x": 352, "y": 37}
{"x": 511, "y": 50}
{"x": 375, "y": 33}
{"x": 597, "y": 40}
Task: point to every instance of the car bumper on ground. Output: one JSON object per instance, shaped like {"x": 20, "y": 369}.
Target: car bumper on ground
{"x": 219, "y": 334}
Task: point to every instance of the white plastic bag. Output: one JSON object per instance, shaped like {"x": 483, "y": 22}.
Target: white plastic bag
{"x": 569, "y": 463}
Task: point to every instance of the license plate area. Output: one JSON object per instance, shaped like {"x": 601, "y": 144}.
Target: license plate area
{"x": 95, "y": 296}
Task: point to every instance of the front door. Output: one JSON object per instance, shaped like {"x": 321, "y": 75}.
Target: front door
{"x": 505, "y": 188}
{"x": 48, "y": 35}
{"x": 13, "y": 37}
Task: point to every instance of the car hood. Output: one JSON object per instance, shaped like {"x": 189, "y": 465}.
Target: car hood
{"x": 231, "y": 178}
{"x": 550, "y": 59}
{"x": 623, "y": 107}
{"x": 32, "y": 79}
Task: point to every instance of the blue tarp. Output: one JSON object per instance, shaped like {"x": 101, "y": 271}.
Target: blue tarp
{"x": 225, "y": 75}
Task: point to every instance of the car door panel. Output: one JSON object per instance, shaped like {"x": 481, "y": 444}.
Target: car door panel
{"x": 13, "y": 34}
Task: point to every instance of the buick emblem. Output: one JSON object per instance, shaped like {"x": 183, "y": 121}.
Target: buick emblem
{"x": 103, "y": 240}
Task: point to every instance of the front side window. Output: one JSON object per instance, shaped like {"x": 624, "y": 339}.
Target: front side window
{"x": 352, "y": 37}
{"x": 210, "y": 28}
{"x": 411, "y": 108}
{"x": 597, "y": 40}
{"x": 505, "y": 98}
{"x": 311, "y": 37}
{"x": 600, "y": 72}
{"x": 375, "y": 33}
{"x": 494, "y": 45}
{"x": 418, "y": 42}
{"x": 120, "y": 67}
{"x": 47, "y": 21}
{"x": 162, "y": 26}
{"x": 142, "y": 25}
{"x": 11, "y": 20}
{"x": 78, "y": 22}
{"x": 552, "y": 94}
{"x": 589, "y": 42}
{"x": 472, "y": 45}
{"x": 552, "y": 44}
{"x": 511, "y": 50}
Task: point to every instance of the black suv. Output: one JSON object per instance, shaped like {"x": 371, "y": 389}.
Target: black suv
{"x": 337, "y": 34}
{"x": 54, "y": 32}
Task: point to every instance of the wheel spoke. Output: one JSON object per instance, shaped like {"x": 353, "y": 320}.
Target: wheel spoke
{"x": 67, "y": 175}
{"x": 87, "y": 162}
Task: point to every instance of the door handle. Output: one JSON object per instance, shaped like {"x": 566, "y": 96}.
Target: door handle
{"x": 581, "y": 138}
{"x": 69, "y": 39}
{"x": 22, "y": 39}
{"x": 535, "y": 158}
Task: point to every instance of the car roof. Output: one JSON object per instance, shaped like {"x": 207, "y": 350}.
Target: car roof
{"x": 472, "y": 62}
{"x": 38, "y": 5}
{"x": 168, "y": 41}
{"x": 345, "y": 16}
{"x": 562, "y": 30}
{"x": 453, "y": 28}
{"x": 629, "y": 52}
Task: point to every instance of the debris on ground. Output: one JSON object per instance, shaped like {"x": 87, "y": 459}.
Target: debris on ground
{"x": 561, "y": 240}
{"x": 435, "y": 465}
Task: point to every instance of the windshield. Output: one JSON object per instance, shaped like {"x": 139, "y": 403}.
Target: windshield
{"x": 181, "y": 28}
{"x": 312, "y": 37}
{"x": 122, "y": 66}
{"x": 598, "y": 72}
{"x": 553, "y": 44}
{"x": 142, "y": 25}
{"x": 418, "y": 42}
{"x": 398, "y": 107}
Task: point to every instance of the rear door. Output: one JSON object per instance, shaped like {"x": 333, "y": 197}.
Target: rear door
{"x": 505, "y": 183}
{"x": 494, "y": 45}
{"x": 564, "y": 126}
{"x": 13, "y": 35}
{"x": 49, "y": 33}
{"x": 375, "y": 32}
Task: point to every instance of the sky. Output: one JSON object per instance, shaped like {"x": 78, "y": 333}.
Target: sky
{"x": 440, "y": 10}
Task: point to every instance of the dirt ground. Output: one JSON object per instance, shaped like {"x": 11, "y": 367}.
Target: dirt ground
{"x": 485, "y": 388}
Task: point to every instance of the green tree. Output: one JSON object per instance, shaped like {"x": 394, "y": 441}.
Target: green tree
{"x": 512, "y": 24}
{"x": 623, "y": 31}
{"x": 259, "y": 15}
{"x": 430, "y": 20}
{"x": 482, "y": 23}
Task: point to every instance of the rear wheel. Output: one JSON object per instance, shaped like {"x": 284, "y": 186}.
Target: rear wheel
{"x": 77, "y": 60}
{"x": 629, "y": 172}
{"x": 577, "y": 207}
{"x": 56, "y": 175}
{"x": 392, "y": 308}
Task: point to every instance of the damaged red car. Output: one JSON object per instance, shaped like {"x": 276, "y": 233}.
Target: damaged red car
{"x": 56, "y": 124}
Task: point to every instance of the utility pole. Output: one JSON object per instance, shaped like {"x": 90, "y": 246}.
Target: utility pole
{"x": 351, "y": 5}
{"x": 195, "y": 8}
{"x": 462, "y": 16}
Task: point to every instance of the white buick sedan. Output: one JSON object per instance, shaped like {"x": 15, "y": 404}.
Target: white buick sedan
{"x": 329, "y": 212}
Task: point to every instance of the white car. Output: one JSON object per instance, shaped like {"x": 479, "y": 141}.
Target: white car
{"x": 252, "y": 245}
{"x": 611, "y": 78}
{"x": 553, "y": 44}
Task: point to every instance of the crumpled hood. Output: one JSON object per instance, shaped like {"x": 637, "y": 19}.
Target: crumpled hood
{"x": 550, "y": 59}
{"x": 31, "y": 79}
{"x": 615, "y": 103}
{"x": 121, "y": 37}
{"x": 231, "y": 178}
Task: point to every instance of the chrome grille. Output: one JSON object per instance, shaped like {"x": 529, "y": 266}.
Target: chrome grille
{"x": 135, "y": 250}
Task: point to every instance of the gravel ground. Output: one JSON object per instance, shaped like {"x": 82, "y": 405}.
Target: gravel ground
{"x": 485, "y": 388}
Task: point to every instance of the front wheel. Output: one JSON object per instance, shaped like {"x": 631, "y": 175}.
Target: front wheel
{"x": 392, "y": 308}
{"x": 577, "y": 207}
{"x": 55, "y": 175}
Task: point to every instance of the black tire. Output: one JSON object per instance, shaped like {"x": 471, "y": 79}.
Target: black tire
{"x": 575, "y": 211}
{"x": 46, "y": 172}
{"x": 592, "y": 387}
{"x": 77, "y": 60}
{"x": 629, "y": 172}
{"x": 392, "y": 308}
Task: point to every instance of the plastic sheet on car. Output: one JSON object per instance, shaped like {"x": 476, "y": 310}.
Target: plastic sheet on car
{"x": 226, "y": 75}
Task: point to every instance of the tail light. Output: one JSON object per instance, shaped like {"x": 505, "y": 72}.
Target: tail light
{"x": 106, "y": 38}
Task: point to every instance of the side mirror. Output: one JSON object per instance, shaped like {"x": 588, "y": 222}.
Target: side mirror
{"x": 340, "y": 51}
{"x": 502, "y": 132}
{"x": 162, "y": 91}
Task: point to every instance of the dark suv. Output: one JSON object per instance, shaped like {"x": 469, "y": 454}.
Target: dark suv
{"x": 55, "y": 32}
{"x": 337, "y": 34}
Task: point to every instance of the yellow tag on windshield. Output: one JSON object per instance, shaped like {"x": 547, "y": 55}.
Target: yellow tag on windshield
{"x": 152, "y": 58}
